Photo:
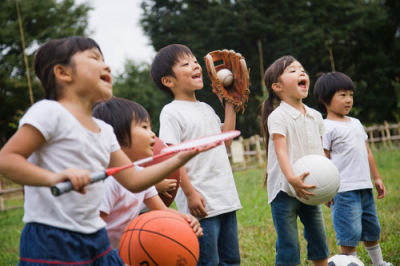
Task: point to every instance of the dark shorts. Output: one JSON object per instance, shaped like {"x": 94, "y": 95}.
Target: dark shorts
{"x": 46, "y": 245}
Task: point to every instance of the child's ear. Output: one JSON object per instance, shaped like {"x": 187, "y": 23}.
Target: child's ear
{"x": 276, "y": 87}
{"x": 62, "y": 73}
{"x": 167, "y": 81}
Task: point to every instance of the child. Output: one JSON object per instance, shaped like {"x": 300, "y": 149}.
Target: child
{"x": 291, "y": 131}
{"x": 353, "y": 209}
{"x": 56, "y": 139}
{"x": 208, "y": 184}
{"x": 132, "y": 126}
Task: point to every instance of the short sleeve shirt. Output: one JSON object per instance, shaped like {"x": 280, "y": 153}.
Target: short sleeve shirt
{"x": 303, "y": 135}
{"x": 346, "y": 142}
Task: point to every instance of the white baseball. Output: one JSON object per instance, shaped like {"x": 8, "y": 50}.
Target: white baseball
{"x": 225, "y": 76}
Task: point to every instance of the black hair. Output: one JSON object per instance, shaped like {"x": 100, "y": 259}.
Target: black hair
{"x": 328, "y": 84}
{"x": 162, "y": 64}
{"x": 58, "y": 52}
{"x": 120, "y": 113}
{"x": 271, "y": 76}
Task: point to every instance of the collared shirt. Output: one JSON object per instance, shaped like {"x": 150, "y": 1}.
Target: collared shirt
{"x": 303, "y": 135}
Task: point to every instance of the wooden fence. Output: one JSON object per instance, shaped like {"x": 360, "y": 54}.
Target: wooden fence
{"x": 250, "y": 152}
{"x": 243, "y": 154}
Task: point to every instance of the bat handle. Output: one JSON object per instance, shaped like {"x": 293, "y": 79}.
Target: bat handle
{"x": 66, "y": 186}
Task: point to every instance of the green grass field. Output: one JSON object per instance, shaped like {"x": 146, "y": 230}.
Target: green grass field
{"x": 256, "y": 229}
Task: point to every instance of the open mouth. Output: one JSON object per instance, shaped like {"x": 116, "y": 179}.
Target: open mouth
{"x": 196, "y": 76}
{"x": 106, "y": 78}
{"x": 302, "y": 83}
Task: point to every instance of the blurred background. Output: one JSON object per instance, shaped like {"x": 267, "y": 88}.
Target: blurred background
{"x": 360, "y": 38}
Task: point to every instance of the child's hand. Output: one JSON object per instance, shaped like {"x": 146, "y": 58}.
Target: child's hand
{"x": 380, "y": 188}
{"x": 197, "y": 205}
{"x": 166, "y": 185}
{"x": 194, "y": 223}
{"x": 300, "y": 188}
{"x": 79, "y": 178}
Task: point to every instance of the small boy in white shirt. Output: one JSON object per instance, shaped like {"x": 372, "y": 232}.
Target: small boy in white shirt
{"x": 353, "y": 209}
{"x": 131, "y": 123}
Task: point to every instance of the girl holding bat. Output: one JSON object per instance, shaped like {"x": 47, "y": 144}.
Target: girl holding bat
{"x": 58, "y": 140}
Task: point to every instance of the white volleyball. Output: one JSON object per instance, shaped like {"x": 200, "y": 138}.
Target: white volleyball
{"x": 323, "y": 174}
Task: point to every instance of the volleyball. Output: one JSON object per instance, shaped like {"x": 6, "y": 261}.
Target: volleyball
{"x": 159, "y": 238}
{"x": 323, "y": 174}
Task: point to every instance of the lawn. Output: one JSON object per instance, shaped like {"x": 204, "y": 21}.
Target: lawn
{"x": 256, "y": 231}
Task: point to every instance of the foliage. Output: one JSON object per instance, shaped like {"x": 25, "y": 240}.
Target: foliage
{"x": 363, "y": 37}
{"x": 41, "y": 21}
{"x": 256, "y": 230}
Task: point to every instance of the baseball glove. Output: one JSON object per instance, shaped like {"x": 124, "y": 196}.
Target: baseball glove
{"x": 238, "y": 92}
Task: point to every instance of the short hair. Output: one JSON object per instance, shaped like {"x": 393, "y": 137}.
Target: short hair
{"x": 58, "y": 52}
{"x": 162, "y": 64}
{"x": 120, "y": 113}
{"x": 328, "y": 84}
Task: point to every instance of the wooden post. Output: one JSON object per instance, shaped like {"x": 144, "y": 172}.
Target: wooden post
{"x": 383, "y": 137}
{"x": 371, "y": 141}
{"x": 388, "y": 136}
{"x": 245, "y": 148}
{"x": 258, "y": 151}
{"x": 260, "y": 56}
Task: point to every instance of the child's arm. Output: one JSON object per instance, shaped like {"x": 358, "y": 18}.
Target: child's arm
{"x": 380, "y": 187}
{"x": 15, "y": 166}
{"x": 155, "y": 203}
{"x": 137, "y": 181}
{"x": 195, "y": 201}
{"x": 229, "y": 122}
{"x": 283, "y": 159}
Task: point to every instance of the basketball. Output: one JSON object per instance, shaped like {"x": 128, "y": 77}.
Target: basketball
{"x": 159, "y": 238}
{"x": 158, "y": 146}
{"x": 344, "y": 260}
{"x": 323, "y": 174}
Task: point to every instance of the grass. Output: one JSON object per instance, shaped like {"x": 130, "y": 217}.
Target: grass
{"x": 256, "y": 230}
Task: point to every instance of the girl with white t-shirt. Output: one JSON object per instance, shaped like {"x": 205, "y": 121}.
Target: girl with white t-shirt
{"x": 132, "y": 126}
{"x": 58, "y": 140}
{"x": 291, "y": 130}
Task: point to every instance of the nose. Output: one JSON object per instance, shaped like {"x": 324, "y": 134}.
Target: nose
{"x": 107, "y": 68}
{"x": 349, "y": 98}
{"x": 196, "y": 65}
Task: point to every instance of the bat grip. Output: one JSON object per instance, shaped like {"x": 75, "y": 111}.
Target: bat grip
{"x": 66, "y": 186}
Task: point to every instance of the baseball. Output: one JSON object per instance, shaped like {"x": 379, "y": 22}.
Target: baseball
{"x": 225, "y": 76}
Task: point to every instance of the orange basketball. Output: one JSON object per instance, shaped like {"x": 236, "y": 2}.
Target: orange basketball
{"x": 159, "y": 238}
{"x": 158, "y": 146}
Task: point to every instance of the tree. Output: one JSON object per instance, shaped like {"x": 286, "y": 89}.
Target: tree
{"x": 359, "y": 38}
{"x": 41, "y": 21}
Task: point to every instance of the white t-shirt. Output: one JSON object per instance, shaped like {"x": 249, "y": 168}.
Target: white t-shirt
{"x": 209, "y": 172}
{"x": 68, "y": 145}
{"x": 303, "y": 135}
{"x": 121, "y": 206}
{"x": 346, "y": 142}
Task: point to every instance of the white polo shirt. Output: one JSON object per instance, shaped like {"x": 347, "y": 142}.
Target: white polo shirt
{"x": 303, "y": 135}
